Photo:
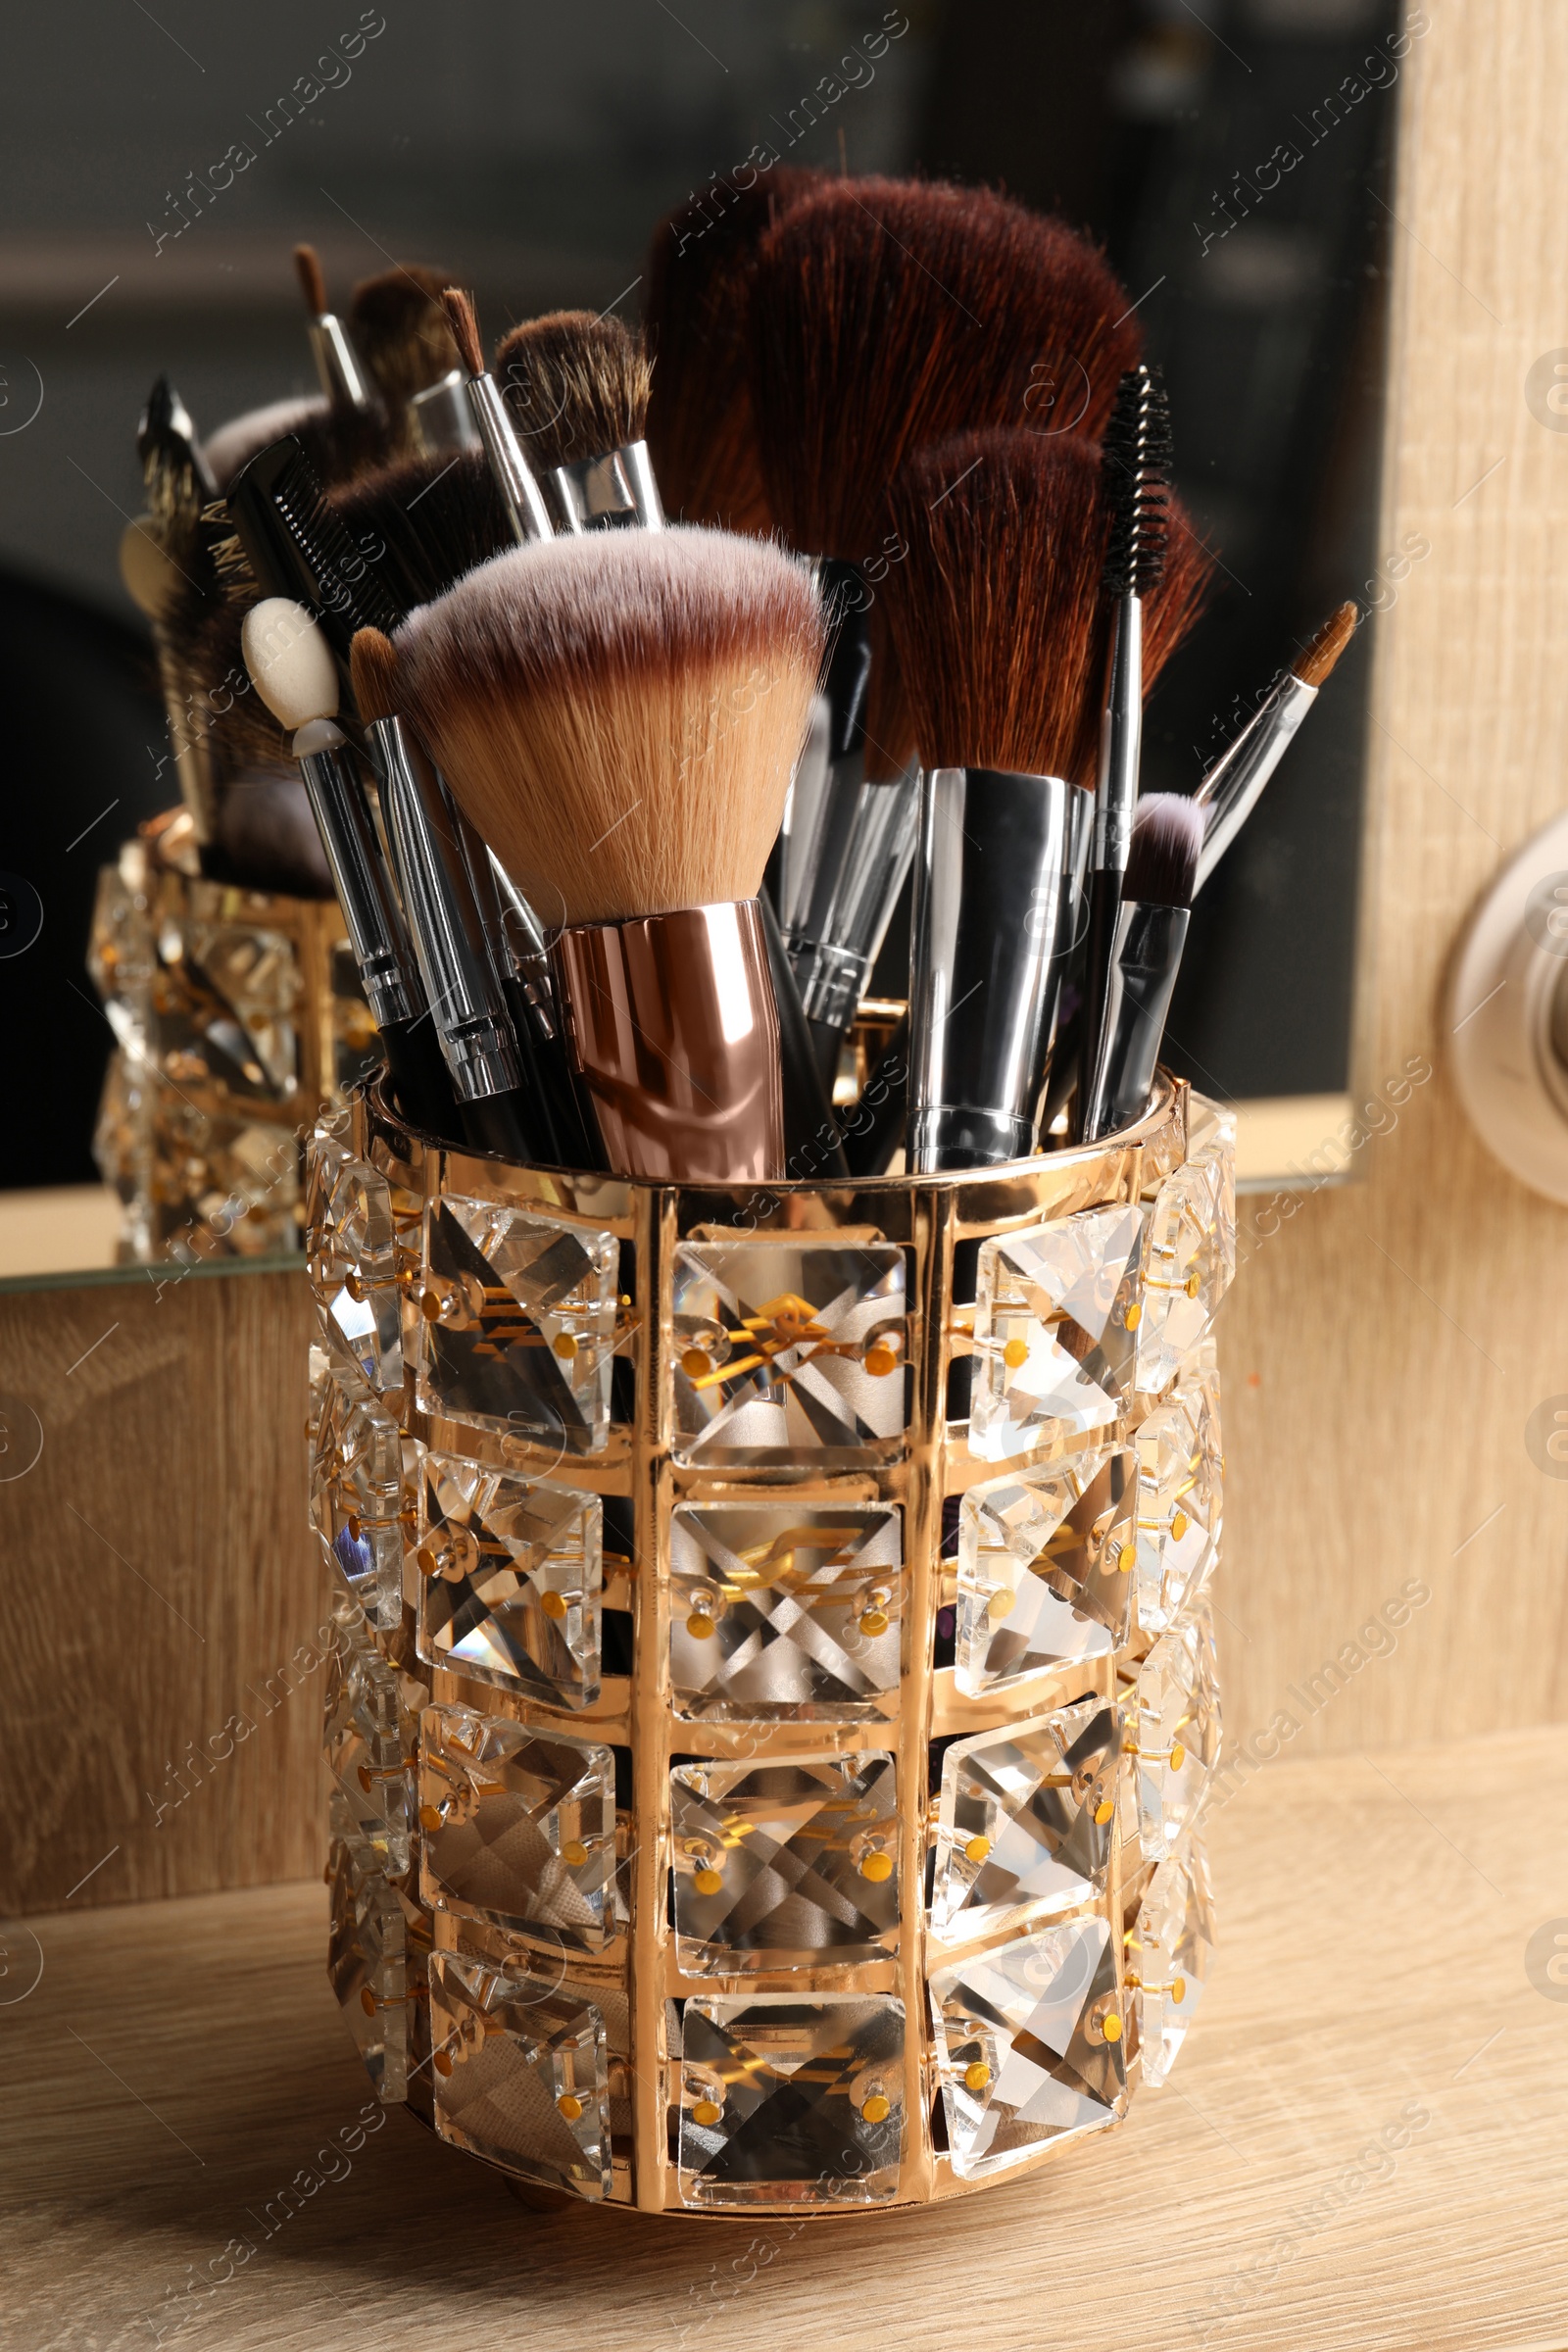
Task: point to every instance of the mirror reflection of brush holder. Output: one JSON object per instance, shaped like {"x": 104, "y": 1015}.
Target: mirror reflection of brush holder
{"x": 773, "y": 1696}
{"x": 237, "y": 1015}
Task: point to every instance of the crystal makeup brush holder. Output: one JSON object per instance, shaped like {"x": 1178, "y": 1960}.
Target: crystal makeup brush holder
{"x": 773, "y": 1693}
{"x": 238, "y": 1014}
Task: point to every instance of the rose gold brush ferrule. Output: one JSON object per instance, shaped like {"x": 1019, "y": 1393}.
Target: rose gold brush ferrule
{"x": 674, "y": 1032}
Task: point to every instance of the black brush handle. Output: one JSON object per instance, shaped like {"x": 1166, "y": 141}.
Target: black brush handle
{"x": 875, "y": 1129}
{"x": 420, "y": 1085}
{"x": 1104, "y": 912}
{"x": 506, "y": 1124}
{"x": 813, "y": 1144}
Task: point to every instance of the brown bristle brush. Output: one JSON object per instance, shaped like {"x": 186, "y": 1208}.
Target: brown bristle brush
{"x": 401, "y": 332}
{"x": 993, "y": 613}
{"x": 577, "y": 390}
{"x": 885, "y": 313}
{"x": 619, "y": 718}
{"x": 436, "y": 518}
{"x": 696, "y": 282}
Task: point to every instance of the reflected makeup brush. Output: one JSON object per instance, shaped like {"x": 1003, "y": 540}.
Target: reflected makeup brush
{"x": 338, "y": 363}
{"x": 577, "y": 387}
{"x": 618, "y": 716}
{"x": 526, "y": 509}
{"x": 1233, "y": 785}
{"x": 398, "y": 327}
{"x": 293, "y": 671}
{"x": 696, "y": 286}
{"x": 993, "y": 614}
{"x": 1156, "y": 897}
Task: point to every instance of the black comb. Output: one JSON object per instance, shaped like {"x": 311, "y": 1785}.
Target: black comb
{"x": 299, "y": 547}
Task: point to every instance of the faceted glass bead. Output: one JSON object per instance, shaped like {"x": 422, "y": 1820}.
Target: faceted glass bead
{"x": 1056, "y": 1323}
{"x": 1030, "y": 2044}
{"x": 369, "y": 1738}
{"x": 353, "y": 1257}
{"x": 1045, "y": 1568}
{"x": 788, "y": 1349}
{"x": 520, "y": 2075}
{"x": 1026, "y": 1818}
{"x": 790, "y": 1864}
{"x": 1181, "y": 1496}
{"x": 1171, "y": 1952}
{"x": 790, "y": 2102}
{"x": 366, "y": 1956}
{"x": 357, "y": 1498}
{"x": 511, "y": 1581}
{"x": 1178, "y": 1731}
{"x": 1189, "y": 1260}
{"x": 786, "y": 1612}
{"x": 518, "y": 1324}
{"x": 517, "y": 1827}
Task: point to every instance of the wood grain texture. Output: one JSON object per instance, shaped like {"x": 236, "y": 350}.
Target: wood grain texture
{"x": 180, "y": 2063}
{"x": 159, "y": 1580}
{"x": 1386, "y": 1344}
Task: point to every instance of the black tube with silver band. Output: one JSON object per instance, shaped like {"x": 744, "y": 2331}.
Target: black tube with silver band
{"x": 993, "y": 908}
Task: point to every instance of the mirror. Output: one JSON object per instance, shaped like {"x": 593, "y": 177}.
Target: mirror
{"x": 1234, "y": 162}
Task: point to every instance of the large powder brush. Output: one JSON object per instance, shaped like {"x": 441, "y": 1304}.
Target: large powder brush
{"x": 696, "y": 289}
{"x": 619, "y": 716}
{"x": 888, "y": 314}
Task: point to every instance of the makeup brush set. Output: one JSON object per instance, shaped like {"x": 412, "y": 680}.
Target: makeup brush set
{"x": 629, "y": 680}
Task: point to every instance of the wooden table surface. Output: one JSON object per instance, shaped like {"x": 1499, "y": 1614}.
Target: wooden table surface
{"x": 1365, "y": 2143}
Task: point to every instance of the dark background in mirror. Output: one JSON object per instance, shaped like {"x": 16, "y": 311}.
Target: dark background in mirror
{"x": 530, "y": 149}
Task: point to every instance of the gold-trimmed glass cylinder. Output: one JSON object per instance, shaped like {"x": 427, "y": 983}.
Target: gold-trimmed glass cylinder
{"x": 775, "y": 1709}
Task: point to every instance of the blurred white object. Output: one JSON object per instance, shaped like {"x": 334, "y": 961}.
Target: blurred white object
{"x": 1508, "y": 1016}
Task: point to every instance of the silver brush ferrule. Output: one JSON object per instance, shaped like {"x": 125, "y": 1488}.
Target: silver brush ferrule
{"x": 376, "y": 928}
{"x": 338, "y": 363}
{"x": 441, "y": 419}
{"x": 848, "y": 851}
{"x": 521, "y": 493}
{"x": 1120, "y": 737}
{"x": 1144, "y": 966}
{"x": 598, "y": 492}
{"x": 475, "y": 1035}
{"x": 994, "y": 903}
{"x": 1231, "y": 788}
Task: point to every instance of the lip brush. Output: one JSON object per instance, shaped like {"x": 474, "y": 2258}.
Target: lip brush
{"x": 1233, "y": 785}
{"x": 527, "y": 510}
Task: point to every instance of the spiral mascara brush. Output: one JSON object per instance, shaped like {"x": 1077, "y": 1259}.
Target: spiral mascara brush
{"x": 1136, "y": 474}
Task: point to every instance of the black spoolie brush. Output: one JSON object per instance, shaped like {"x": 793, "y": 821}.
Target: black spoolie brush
{"x": 577, "y": 387}
{"x": 1156, "y": 897}
{"x": 1135, "y": 466}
